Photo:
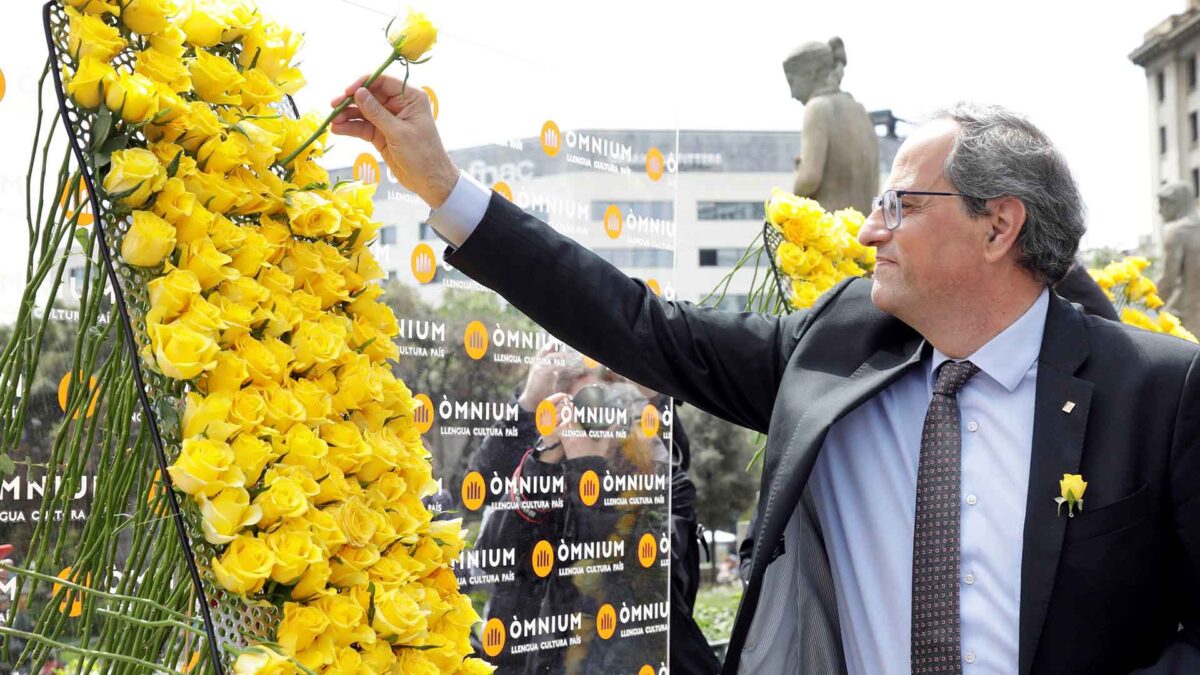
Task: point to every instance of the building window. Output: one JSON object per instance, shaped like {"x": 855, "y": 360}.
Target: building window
{"x": 660, "y": 209}
{"x": 1196, "y": 181}
{"x": 425, "y": 231}
{"x": 1191, "y": 72}
{"x": 1160, "y": 84}
{"x": 1162, "y": 140}
{"x": 393, "y": 275}
{"x": 1194, "y": 124}
{"x": 729, "y": 210}
{"x": 387, "y": 235}
{"x": 720, "y": 257}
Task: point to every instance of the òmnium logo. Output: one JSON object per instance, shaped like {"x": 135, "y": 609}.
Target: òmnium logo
{"x": 542, "y": 559}
{"x": 423, "y": 416}
{"x": 503, "y": 190}
{"x": 551, "y": 138}
{"x": 493, "y": 637}
{"x": 475, "y": 340}
{"x": 474, "y": 489}
{"x": 366, "y": 169}
{"x": 589, "y": 488}
{"x": 424, "y": 264}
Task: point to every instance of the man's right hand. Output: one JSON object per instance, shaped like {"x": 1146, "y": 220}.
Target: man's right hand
{"x": 398, "y": 121}
{"x": 542, "y": 380}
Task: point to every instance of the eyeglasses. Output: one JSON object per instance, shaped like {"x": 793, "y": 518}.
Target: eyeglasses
{"x": 893, "y": 213}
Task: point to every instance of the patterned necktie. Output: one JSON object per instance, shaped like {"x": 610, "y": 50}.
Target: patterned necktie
{"x": 935, "y": 619}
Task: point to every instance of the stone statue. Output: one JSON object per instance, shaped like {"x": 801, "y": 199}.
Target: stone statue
{"x": 838, "y": 163}
{"x": 1179, "y": 285}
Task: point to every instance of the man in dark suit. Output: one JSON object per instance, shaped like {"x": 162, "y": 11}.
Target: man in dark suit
{"x": 919, "y": 424}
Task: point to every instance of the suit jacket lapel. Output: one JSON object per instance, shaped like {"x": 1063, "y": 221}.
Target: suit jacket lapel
{"x": 1059, "y": 423}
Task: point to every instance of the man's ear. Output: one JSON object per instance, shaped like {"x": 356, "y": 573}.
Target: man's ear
{"x": 1004, "y": 225}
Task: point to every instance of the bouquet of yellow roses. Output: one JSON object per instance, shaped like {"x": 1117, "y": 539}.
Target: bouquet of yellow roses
{"x": 1136, "y": 297}
{"x": 258, "y": 355}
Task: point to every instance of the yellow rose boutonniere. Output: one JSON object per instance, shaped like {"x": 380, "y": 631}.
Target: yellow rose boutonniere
{"x": 1072, "y": 486}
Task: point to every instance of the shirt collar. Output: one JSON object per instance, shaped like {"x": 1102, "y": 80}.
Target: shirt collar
{"x": 1008, "y": 356}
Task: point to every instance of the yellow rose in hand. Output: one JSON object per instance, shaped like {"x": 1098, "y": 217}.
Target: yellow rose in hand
{"x": 180, "y": 352}
{"x": 87, "y": 84}
{"x": 89, "y": 36}
{"x": 259, "y": 660}
{"x": 136, "y": 174}
{"x": 149, "y": 241}
{"x": 414, "y": 37}
{"x": 225, "y": 515}
{"x": 245, "y": 566}
{"x": 147, "y": 16}
{"x": 133, "y": 95}
{"x": 205, "y": 467}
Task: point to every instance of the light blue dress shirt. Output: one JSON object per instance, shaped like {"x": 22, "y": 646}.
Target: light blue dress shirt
{"x": 864, "y": 486}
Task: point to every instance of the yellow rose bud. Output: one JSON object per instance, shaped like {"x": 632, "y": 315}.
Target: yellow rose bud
{"x": 205, "y": 467}
{"x": 312, "y": 215}
{"x": 259, "y": 660}
{"x": 398, "y": 615}
{"x": 414, "y": 37}
{"x": 135, "y": 173}
{"x": 171, "y": 294}
{"x": 88, "y": 83}
{"x": 227, "y": 514}
{"x": 1073, "y": 487}
{"x": 251, "y": 455}
{"x": 300, "y": 626}
{"x": 229, "y": 373}
{"x": 312, "y": 582}
{"x": 294, "y": 551}
{"x": 149, "y": 241}
{"x": 89, "y": 37}
{"x": 147, "y": 16}
{"x": 245, "y": 566}
{"x": 180, "y": 352}
{"x": 133, "y": 95}
{"x": 208, "y": 416}
{"x": 282, "y": 499}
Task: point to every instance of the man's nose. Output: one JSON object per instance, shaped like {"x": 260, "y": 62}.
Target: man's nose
{"x": 873, "y": 231}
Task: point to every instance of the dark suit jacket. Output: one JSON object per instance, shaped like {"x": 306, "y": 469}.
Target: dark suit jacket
{"x": 1104, "y": 592}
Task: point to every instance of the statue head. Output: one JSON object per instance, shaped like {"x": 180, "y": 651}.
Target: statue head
{"x": 1175, "y": 200}
{"x": 815, "y": 68}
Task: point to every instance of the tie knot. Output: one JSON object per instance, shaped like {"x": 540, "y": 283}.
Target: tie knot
{"x": 952, "y": 375}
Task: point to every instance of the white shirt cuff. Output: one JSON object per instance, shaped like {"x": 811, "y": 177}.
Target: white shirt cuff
{"x": 455, "y": 220}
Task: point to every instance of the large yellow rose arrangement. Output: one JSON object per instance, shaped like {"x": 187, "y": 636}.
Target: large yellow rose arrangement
{"x": 819, "y": 248}
{"x": 1136, "y": 297}
{"x": 298, "y": 448}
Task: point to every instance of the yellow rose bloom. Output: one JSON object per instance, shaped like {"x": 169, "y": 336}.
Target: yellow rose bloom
{"x": 348, "y": 449}
{"x": 357, "y": 520}
{"x": 318, "y": 343}
{"x": 169, "y": 41}
{"x": 89, "y": 37}
{"x": 270, "y": 47}
{"x": 312, "y": 215}
{"x": 171, "y": 293}
{"x": 245, "y": 565}
{"x": 205, "y": 21}
{"x": 259, "y": 660}
{"x": 302, "y": 448}
{"x": 350, "y": 565}
{"x": 208, "y": 416}
{"x": 252, "y": 254}
{"x": 149, "y": 241}
{"x": 294, "y": 550}
{"x": 202, "y": 258}
{"x": 215, "y": 191}
{"x": 227, "y": 514}
{"x": 87, "y": 84}
{"x": 380, "y": 658}
{"x": 164, "y": 68}
{"x": 283, "y": 498}
{"x": 300, "y": 626}
{"x": 135, "y": 173}
{"x": 205, "y": 467}
{"x": 228, "y": 374}
{"x": 96, "y": 7}
{"x": 220, "y": 154}
{"x": 398, "y": 615}
{"x": 202, "y": 124}
{"x": 147, "y": 16}
{"x": 347, "y": 661}
{"x": 174, "y": 203}
{"x": 180, "y": 352}
{"x": 414, "y": 37}
{"x": 308, "y": 171}
{"x": 215, "y": 79}
{"x": 1135, "y": 317}
{"x": 133, "y": 95}
{"x": 415, "y": 662}
{"x": 251, "y": 454}
{"x": 263, "y": 145}
{"x": 1073, "y": 487}
{"x": 312, "y": 582}
{"x": 474, "y": 666}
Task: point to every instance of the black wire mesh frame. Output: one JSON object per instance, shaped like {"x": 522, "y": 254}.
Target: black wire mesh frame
{"x": 771, "y": 240}
{"x": 148, "y": 413}
{"x": 130, "y": 342}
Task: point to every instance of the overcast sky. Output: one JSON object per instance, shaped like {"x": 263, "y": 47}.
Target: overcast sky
{"x": 501, "y": 69}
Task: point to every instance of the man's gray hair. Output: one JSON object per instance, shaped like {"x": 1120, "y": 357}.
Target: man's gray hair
{"x": 999, "y": 153}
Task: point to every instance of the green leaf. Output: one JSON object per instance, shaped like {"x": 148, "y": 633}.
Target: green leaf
{"x": 173, "y": 167}
{"x": 82, "y": 236}
{"x": 102, "y": 127}
{"x": 6, "y": 465}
